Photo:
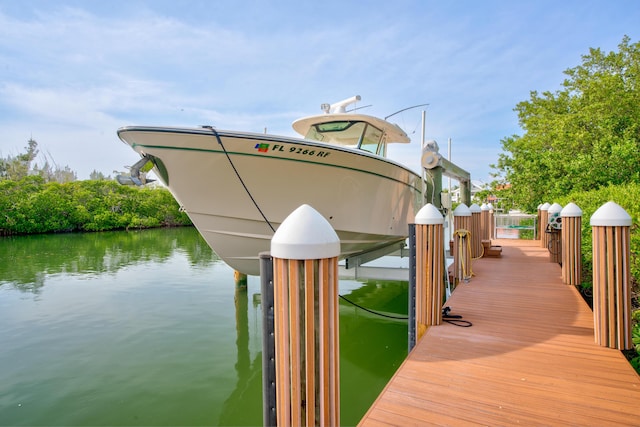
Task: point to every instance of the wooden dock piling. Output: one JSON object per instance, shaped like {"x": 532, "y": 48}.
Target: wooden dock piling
{"x": 611, "y": 276}
{"x": 571, "y": 237}
{"x": 486, "y": 228}
{"x": 240, "y": 280}
{"x": 461, "y": 243}
{"x": 305, "y": 253}
{"x": 429, "y": 268}
{"x": 476, "y": 231}
{"x": 554, "y": 243}
{"x": 544, "y": 220}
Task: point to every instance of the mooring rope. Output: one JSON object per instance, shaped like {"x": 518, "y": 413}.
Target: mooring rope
{"x": 462, "y": 234}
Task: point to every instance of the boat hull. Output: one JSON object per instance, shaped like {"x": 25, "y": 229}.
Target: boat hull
{"x": 237, "y": 188}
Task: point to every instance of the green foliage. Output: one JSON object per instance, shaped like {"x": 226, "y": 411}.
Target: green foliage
{"x": 32, "y": 205}
{"x": 95, "y": 175}
{"x": 482, "y": 196}
{"x": 635, "y": 337}
{"x": 584, "y": 136}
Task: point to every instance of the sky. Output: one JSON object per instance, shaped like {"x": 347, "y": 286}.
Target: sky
{"x": 73, "y": 72}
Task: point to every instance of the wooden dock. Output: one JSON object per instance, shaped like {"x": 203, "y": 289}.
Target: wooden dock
{"x": 530, "y": 357}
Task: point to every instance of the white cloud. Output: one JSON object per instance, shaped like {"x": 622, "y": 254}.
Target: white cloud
{"x": 73, "y": 75}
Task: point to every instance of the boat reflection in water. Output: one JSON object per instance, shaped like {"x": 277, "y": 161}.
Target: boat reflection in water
{"x": 148, "y": 328}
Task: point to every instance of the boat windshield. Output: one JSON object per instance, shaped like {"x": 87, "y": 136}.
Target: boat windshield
{"x": 350, "y": 133}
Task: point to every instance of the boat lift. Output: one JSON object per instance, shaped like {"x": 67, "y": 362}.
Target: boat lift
{"x": 434, "y": 167}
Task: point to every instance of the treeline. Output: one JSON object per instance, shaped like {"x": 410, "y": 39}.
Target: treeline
{"x": 32, "y": 205}
{"x": 582, "y": 137}
{"x": 24, "y": 164}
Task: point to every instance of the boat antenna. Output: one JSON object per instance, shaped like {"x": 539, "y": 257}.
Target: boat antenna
{"x": 405, "y": 109}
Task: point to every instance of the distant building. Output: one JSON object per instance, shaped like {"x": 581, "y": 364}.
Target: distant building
{"x": 476, "y": 186}
{"x": 499, "y": 202}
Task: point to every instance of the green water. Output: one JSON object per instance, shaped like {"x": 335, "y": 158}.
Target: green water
{"x": 147, "y": 328}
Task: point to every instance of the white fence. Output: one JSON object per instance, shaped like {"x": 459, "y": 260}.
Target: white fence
{"x": 515, "y": 226}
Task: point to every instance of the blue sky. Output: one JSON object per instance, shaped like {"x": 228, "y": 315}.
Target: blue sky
{"x": 73, "y": 72}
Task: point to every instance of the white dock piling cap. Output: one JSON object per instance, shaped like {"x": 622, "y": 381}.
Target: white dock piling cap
{"x": 305, "y": 234}
{"x": 555, "y": 208}
{"x": 544, "y": 207}
{"x": 611, "y": 215}
{"x": 461, "y": 210}
{"x": 485, "y": 207}
{"x": 429, "y": 215}
{"x": 571, "y": 210}
{"x": 474, "y": 208}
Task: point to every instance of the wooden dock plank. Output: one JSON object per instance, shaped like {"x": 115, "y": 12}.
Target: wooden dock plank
{"x": 530, "y": 357}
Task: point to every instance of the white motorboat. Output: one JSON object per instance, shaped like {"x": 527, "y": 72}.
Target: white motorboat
{"x": 238, "y": 187}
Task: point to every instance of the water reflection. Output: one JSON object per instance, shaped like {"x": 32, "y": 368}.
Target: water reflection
{"x": 27, "y": 260}
{"x": 372, "y": 347}
{"x": 151, "y": 323}
{"x": 244, "y": 404}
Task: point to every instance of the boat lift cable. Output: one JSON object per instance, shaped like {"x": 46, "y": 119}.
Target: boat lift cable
{"x": 454, "y": 319}
{"x": 433, "y": 188}
{"x": 215, "y": 133}
{"x": 377, "y": 313}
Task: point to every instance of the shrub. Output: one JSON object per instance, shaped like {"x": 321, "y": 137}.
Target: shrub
{"x": 31, "y": 205}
